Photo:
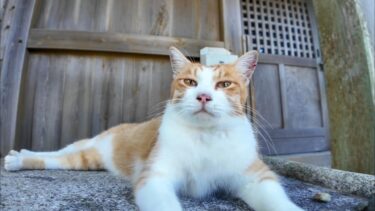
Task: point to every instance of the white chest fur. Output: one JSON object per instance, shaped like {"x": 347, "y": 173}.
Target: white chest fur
{"x": 200, "y": 160}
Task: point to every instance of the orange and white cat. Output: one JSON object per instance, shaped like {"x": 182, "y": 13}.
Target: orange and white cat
{"x": 202, "y": 142}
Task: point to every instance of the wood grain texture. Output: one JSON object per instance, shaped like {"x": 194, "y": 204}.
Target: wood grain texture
{"x": 231, "y": 25}
{"x": 303, "y": 98}
{"x": 12, "y": 68}
{"x": 193, "y": 19}
{"x": 115, "y": 42}
{"x": 77, "y": 95}
{"x": 267, "y": 96}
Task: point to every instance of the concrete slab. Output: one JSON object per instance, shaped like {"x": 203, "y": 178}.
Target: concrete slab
{"x": 99, "y": 190}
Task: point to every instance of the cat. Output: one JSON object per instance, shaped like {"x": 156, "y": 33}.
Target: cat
{"x": 203, "y": 142}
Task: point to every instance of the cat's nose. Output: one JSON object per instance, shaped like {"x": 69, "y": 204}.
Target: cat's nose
{"x": 204, "y": 98}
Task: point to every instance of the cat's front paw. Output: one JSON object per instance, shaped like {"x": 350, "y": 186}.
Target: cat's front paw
{"x": 13, "y": 161}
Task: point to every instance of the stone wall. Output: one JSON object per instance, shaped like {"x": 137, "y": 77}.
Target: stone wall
{"x": 350, "y": 85}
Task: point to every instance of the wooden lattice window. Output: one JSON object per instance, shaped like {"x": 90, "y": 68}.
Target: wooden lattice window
{"x": 278, "y": 27}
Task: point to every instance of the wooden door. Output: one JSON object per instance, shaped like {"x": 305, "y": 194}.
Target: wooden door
{"x": 71, "y": 69}
{"x": 288, "y": 95}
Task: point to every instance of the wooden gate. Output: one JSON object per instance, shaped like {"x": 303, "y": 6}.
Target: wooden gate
{"x": 73, "y": 68}
{"x": 289, "y": 93}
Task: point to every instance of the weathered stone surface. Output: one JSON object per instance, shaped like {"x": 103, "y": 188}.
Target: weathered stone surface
{"x": 350, "y": 84}
{"x": 79, "y": 190}
{"x": 343, "y": 181}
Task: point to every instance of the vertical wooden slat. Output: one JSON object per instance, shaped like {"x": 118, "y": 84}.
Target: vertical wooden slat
{"x": 257, "y": 29}
{"x": 131, "y": 90}
{"x": 99, "y": 85}
{"x": 27, "y": 102}
{"x": 278, "y": 24}
{"x": 12, "y": 68}
{"x": 160, "y": 17}
{"x": 84, "y": 102}
{"x": 183, "y": 22}
{"x": 263, "y": 27}
{"x": 142, "y": 97}
{"x": 53, "y": 104}
{"x": 116, "y": 88}
{"x": 71, "y": 96}
{"x": 41, "y": 102}
{"x": 283, "y": 94}
{"x": 231, "y": 25}
{"x": 208, "y": 26}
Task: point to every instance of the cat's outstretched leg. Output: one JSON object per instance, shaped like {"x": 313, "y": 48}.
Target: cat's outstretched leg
{"x": 74, "y": 147}
{"x": 261, "y": 190}
{"x": 156, "y": 192}
{"x": 81, "y": 155}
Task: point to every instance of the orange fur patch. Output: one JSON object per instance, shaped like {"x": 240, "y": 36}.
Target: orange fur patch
{"x": 88, "y": 159}
{"x": 261, "y": 170}
{"x": 133, "y": 142}
{"x": 237, "y": 92}
{"x": 190, "y": 71}
{"x": 32, "y": 163}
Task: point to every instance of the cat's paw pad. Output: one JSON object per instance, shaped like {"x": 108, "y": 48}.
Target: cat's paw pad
{"x": 13, "y": 162}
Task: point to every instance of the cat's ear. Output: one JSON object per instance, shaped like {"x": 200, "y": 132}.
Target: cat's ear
{"x": 246, "y": 64}
{"x": 178, "y": 60}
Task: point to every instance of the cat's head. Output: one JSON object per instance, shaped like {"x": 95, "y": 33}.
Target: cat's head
{"x": 210, "y": 93}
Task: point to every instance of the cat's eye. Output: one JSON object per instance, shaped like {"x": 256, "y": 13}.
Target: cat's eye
{"x": 190, "y": 82}
{"x": 223, "y": 84}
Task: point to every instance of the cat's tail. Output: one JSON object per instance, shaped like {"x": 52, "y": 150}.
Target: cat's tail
{"x": 81, "y": 155}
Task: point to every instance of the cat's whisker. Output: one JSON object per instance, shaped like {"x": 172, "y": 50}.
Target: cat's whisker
{"x": 257, "y": 114}
{"x": 260, "y": 134}
{"x": 159, "y": 108}
{"x": 264, "y": 134}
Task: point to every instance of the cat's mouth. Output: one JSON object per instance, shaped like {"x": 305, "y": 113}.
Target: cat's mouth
{"x": 203, "y": 110}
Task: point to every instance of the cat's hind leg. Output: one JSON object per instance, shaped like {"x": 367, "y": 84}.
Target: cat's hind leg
{"x": 81, "y": 155}
{"x": 74, "y": 147}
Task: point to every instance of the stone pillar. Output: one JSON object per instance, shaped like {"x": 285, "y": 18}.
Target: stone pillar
{"x": 349, "y": 73}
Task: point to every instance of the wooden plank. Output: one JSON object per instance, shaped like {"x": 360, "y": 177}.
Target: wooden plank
{"x": 302, "y": 93}
{"x": 114, "y": 42}
{"x": 144, "y": 67}
{"x": 184, "y": 22}
{"x": 231, "y": 25}
{"x": 209, "y": 23}
{"x": 130, "y": 91}
{"x": 99, "y": 87}
{"x": 159, "y": 21}
{"x": 296, "y": 133}
{"x": 161, "y": 76}
{"x": 3, "y": 30}
{"x": 71, "y": 95}
{"x": 293, "y": 145}
{"x": 287, "y": 60}
{"x": 267, "y": 95}
{"x": 84, "y": 102}
{"x": 50, "y": 104}
{"x": 36, "y": 13}
{"x": 26, "y": 108}
{"x": 116, "y": 87}
{"x": 283, "y": 94}
{"x": 11, "y": 72}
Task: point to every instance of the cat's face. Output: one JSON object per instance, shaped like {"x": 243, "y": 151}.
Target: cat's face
{"x": 209, "y": 93}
